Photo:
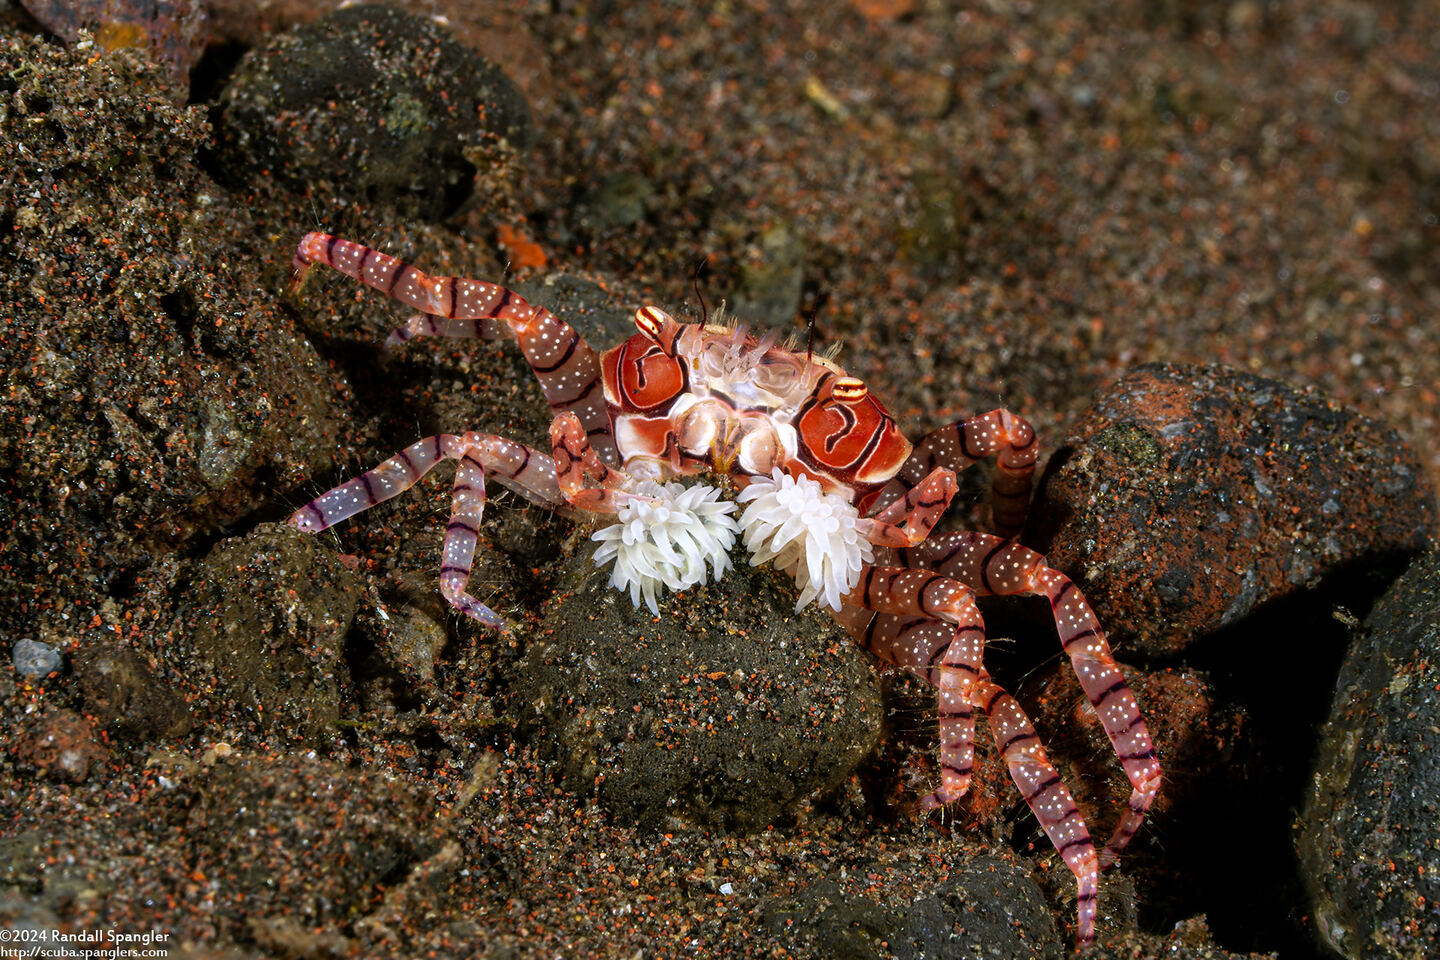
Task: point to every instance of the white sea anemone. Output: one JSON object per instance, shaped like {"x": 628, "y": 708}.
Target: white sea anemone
{"x": 810, "y": 534}
{"x": 667, "y": 538}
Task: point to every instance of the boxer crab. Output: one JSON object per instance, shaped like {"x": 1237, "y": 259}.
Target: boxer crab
{"x": 835, "y": 495}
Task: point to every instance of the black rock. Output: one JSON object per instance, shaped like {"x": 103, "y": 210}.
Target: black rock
{"x": 1371, "y": 829}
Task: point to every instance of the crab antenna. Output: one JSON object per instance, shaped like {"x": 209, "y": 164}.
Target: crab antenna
{"x": 810, "y": 339}
{"x": 695, "y": 285}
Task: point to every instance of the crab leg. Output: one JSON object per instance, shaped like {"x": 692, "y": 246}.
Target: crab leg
{"x": 575, "y": 459}
{"x": 566, "y": 366}
{"x": 993, "y": 565}
{"x": 910, "y": 518}
{"x": 999, "y": 433}
{"x": 947, "y": 657}
{"x": 947, "y": 654}
{"x": 1045, "y": 793}
{"x": 523, "y": 469}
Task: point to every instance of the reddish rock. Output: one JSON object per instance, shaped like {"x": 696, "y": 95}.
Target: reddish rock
{"x": 1212, "y": 794}
{"x": 1189, "y": 496}
{"x": 172, "y": 32}
{"x": 1193, "y": 729}
{"x": 61, "y": 743}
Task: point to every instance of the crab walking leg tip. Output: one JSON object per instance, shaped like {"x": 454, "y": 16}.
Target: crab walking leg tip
{"x": 309, "y": 518}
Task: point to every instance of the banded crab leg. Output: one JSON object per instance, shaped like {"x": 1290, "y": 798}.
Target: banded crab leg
{"x": 523, "y": 469}
{"x": 575, "y": 460}
{"x": 948, "y": 654}
{"x": 910, "y": 518}
{"x": 931, "y": 648}
{"x": 928, "y": 624}
{"x": 1045, "y": 794}
{"x": 566, "y": 366}
{"x": 993, "y": 565}
{"x": 999, "y": 433}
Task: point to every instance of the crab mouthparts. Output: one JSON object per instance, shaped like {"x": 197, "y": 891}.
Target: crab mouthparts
{"x": 725, "y": 448}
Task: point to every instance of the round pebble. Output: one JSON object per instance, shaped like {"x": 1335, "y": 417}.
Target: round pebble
{"x": 35, "y": 659}
{"x": 384, "y": 105}
{"x": 728, "y": 710}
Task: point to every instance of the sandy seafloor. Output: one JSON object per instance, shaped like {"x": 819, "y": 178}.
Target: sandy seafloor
{"x": 272, "y": 746}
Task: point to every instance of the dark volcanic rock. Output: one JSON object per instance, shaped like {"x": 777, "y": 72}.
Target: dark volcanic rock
{"x": 271, "y": 613}
{"x": 383, "y": 105}
{"x": 1371, "y": 837}
{"x": 297, "y": 845}
{"x": 148, "y": 389}
{"x": 728, "y": 710}
{"x": 1190, "y": 496}
{"x": 123, "y": 694}
{"x": 986, "y": 907}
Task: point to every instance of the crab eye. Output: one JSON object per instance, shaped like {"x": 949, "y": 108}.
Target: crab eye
{"x": 651, "y": 321}
{"x": 849, "y": 390}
